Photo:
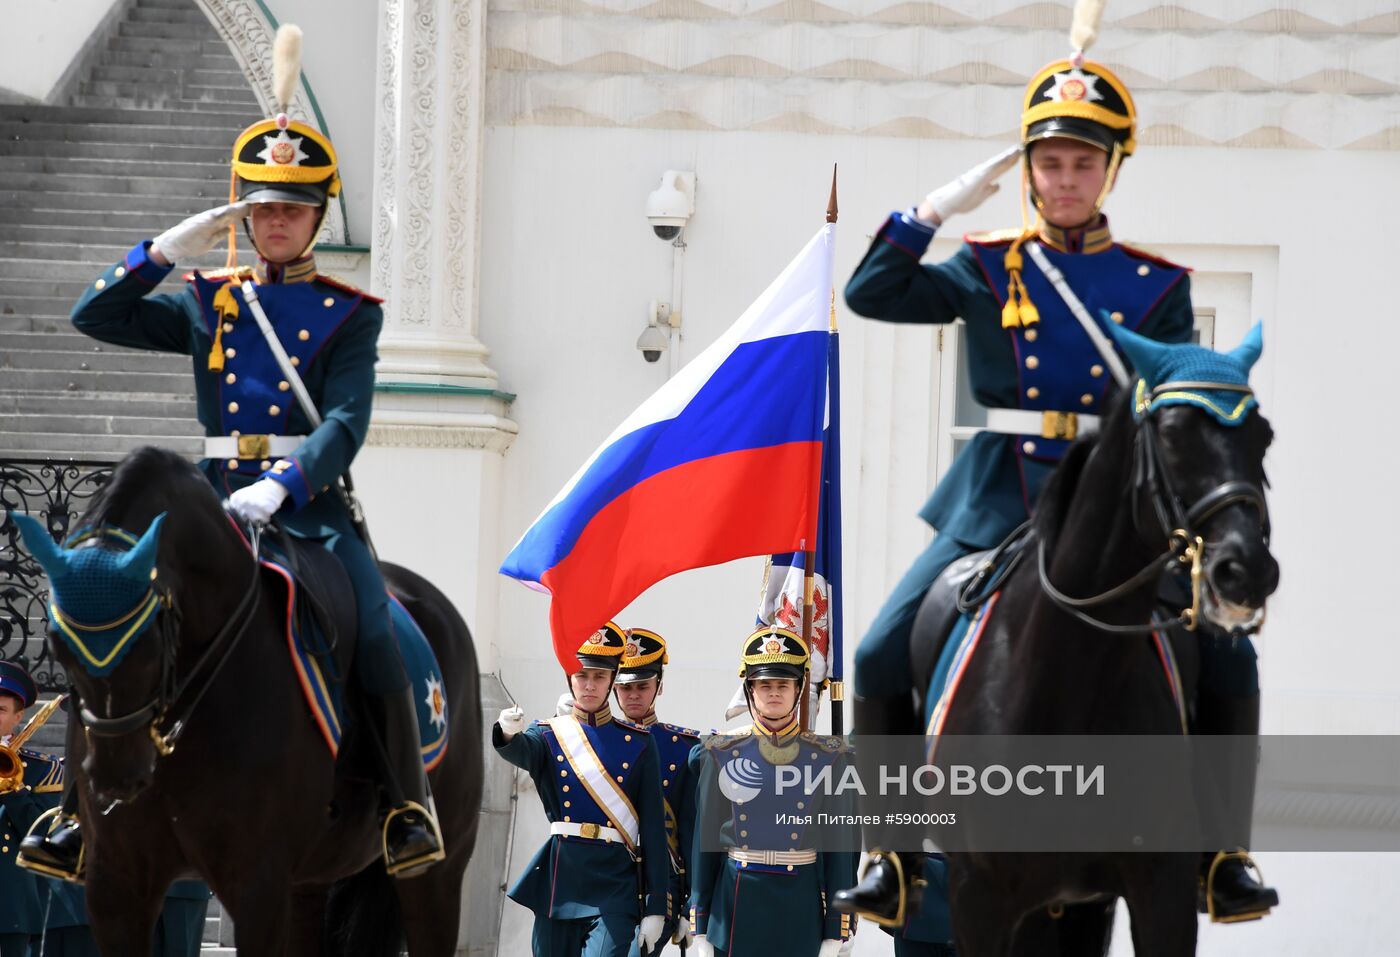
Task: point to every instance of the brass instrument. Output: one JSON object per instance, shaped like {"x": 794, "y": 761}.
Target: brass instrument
{"x": 11, "y": 767}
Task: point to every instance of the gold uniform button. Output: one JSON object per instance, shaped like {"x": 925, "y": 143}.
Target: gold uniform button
{"x": 743, "y": 833}
{"x": 235, "y": 433}
{"x": 675, "y": 737}
{"x": 559, "y": 758}
{"x": 619, "y": 779}
{"x": 1118, "y": 316}
{"x": 1144, "y": 269}
{"x": 228, "y": 327}
{"x": 566, "y": 789}
{"x": 665, "y": 784}
{"x": 1032, "y": 335}
{"x": 801, "y": 805}
{"x": 1032, "y": 362}
{"x": 563, "y": 774}
{"x": 1028, "y": 448}
{"x": 743, "y": 817}
{"x": 673, "y": 767}
{"x": 1032, "y": 393}
{"x": 625, "y": 766}
{"x": 1086, "y": 399}
{"x": 233, "y": 463}
{"x": 303, "y": 335}
{"x": 101, "y": 284}
{"x": 794, "y": 836}
{"x": 233, "y": 406}
{"x": 1096, "y": 371}
{"x": 789, "y": 867}
{"x": 230, "y": 378}
{"x": 264, "y": 465}
{"x": 328, "y": 302}
{"x": 566, "y": 817}
{"x": 230, "y": 352}
{"x": 627, "y": 737}
{"x": 274, "y": 410}
{"x": 295, "y": 361}
{"x": 119, "y": 272}
{"x": 283, "y": 386}
{"x": 568, "y": 804}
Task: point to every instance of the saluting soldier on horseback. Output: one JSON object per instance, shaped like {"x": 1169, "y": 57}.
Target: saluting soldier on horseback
{"x": 1035, "y": 302}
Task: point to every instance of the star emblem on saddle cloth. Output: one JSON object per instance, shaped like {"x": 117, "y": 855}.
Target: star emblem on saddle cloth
{"x": 437, "y": 704}
{"x": 1073, "y": 86}
{"x": 789, "y": 616}
{"x": 282, "y": 150}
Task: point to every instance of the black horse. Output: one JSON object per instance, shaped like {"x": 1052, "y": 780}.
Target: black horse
{"x": 250, "y": 799}
{"x": 1165, "y": 482}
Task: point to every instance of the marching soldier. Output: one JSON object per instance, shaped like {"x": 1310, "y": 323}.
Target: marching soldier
{"x": 759, "y": 887}
{"x": 637, "y": 688}
{"x": 25, "y": 778}
{"x": 263, "y": 452}
{"x": 605, "y": 866}
{"x": 1028, "y": 297}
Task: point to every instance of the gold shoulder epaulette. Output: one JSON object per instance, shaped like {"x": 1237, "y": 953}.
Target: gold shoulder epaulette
{"x": 239, "y": 273}
{"x": 995, "y": 236}
{"x": 631, "y": 726}
{"x": 1140, "y": 252}
{"x": 825, "y": 742}
{"x": 336, "y": 282}
{"x": 677, "y": 729}
{"x": 720, "y": 741}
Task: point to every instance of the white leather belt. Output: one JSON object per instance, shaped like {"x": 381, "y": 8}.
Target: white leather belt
{"x": 1047, "y": 425}
{"x": 595, "y": 832}
{"x": 772, "y": 858}
{"x": 251, "y": 446}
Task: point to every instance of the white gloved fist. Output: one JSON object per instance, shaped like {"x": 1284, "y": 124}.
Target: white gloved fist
{"x": 650, "y": 931}
{"x": 972, "y": 188}
{"x": 198, "y": 234}
{"x": 830, "y": 948}
{"x": 258, "y": 502}
{"x": 564, "y": 706}
{"x": 682, "y": 930}
{"x": 512, "y": 721}
{"x": 700, "y": 947}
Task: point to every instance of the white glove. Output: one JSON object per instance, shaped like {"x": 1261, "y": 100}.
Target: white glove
{"x": 564, "y": 706}
{"x": 198, "y": 234}
{"x": 512, "y": 721}
{"x": 700, "y": 947}
{"x": 650, "y": 931}
{"x": 972, "y": 188}
{"x": 682, "y": 930}
{"x": 830, "y": 948}
{"x": 258, "y": 502}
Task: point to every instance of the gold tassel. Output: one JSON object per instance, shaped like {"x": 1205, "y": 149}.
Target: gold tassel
{"x": 225, "y": 310}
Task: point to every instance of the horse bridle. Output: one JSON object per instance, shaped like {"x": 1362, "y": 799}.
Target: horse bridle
{"x": 161, "y": 710}
{"x": 1185, "y": 545}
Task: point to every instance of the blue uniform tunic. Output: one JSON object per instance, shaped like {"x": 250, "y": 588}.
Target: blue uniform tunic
{"x": 588, "y": 895}
{"x": 673, "y": 746}
{"x": 1049, "y": 366}
{"x": 330, "y": 331}
{"x": 755, "y": 909}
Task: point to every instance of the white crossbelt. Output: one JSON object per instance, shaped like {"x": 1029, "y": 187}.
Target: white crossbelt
{"x": 772, "y": 858}
{"x": 596, "y": 832}
{"x": 1076, "y": 308}
{"x": 250, "y": 446}
{"x": 1047, "y": 425}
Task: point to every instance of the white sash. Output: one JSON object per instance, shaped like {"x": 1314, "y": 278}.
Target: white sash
{"x": 605, "y": 790}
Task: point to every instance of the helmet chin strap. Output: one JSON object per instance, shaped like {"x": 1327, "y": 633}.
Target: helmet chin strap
{"x": 796, "y": 700}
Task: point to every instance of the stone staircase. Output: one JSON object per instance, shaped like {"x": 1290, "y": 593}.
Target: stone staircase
{"x": 143, "y": 143}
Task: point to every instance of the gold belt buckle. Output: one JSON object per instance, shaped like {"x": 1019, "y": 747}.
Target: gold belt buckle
{"x": 589, "y": 830}
{"x": 254, "y": 446}
{"x": 1059, "y": 425}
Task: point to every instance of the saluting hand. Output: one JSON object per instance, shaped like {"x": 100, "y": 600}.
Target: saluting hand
{"x": 512, "y": 722}
{"x": 969, "y": 190}
{"x": 197, "y": 235}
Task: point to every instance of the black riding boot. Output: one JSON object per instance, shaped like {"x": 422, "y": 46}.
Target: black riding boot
{"x": 1229, "y": 892}
{"x": 54, "y": 845}
{"x": 892, "y": 885}
{"x": 412, "y": 840}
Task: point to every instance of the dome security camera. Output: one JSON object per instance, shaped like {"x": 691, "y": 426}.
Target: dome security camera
{"x": 652, "y": 342}
{"x": 670, "y": 205}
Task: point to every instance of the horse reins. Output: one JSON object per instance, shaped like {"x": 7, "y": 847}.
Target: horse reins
{"x": 155, "y": 712}
{"x": 1178, "y": 524}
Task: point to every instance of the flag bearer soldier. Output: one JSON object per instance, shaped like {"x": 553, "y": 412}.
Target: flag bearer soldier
{"x": 759, "y": 886}
{"x": 605, "y": 866}
{"x": 262, "y": 451}
{"x": 637, "y": 688}
{"x": 1035, "y": 367}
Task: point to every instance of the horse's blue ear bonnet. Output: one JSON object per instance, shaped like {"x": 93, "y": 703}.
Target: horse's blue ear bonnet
{"x": 100, "y": 599}
{"x": 1183, "y": 373}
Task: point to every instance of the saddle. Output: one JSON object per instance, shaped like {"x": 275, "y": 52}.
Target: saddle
{"x": 323, "y": 606}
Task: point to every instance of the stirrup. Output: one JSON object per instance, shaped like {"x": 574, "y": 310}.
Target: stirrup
{"x": 1220, "y": 858}
{"x": 899, "y": 913}
{"x": 77, "y": 874}
{"x": 412, "y": 866}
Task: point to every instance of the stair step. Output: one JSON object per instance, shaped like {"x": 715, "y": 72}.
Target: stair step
{"x": 163, "y": 4}
{"x": 184, "y": 13}
{"x": 92, "y": 422}
{"x": 37, "y": 323}
{"x": 38, "y": 360}
{"x": 162, "y": 100}
{"x": 134, "y": 404}
{"x": 167, "y": 30}
{"x": 120, "y": 73}
{"x": 137, "y": 223}
{"x": 55, "y": 128}
{"x": 31, "y": 307}
{"x": 43, "y": 288}
{"x": 211, "y": 119}
{"x": 178, "y": 88}
{"x": 69, "y": 339}
{"x": 114, "y": 168}
{"x": 83, "y": 444}
{"x": 163, "y": 59}
{"x": 147, "y": 152}
{"x": 46, "y": 380}
{"x": 163, "y": 186}
{"x": 73, "y": 260}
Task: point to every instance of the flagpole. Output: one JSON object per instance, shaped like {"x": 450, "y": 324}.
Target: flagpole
{"x": 832, "y": 474}
{"x": 809, "y": 561}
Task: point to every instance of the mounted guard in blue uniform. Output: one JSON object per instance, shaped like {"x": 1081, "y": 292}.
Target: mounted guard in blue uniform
{"x": 605, "y": 869}
{"x": 638, "y": 685}
{"x": 281, "y": 430}
{"x": 761, "y": 883}
{"x": 1035, "y": 302}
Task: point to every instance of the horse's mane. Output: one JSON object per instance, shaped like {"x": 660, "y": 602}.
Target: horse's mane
{"x": 1058, "y": 493}
{"x": 148, "y": 472}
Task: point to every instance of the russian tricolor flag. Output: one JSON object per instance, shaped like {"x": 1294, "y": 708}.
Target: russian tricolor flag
{"x": 722, "y": 462}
